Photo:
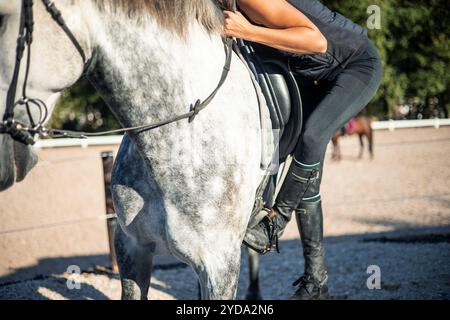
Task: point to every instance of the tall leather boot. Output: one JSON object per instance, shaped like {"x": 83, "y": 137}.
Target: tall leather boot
{"x": 300, "y": 180}
{"x": 313, "y": 284}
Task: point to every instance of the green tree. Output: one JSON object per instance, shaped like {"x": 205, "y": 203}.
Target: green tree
{"x": 81, "y": 108}
{"x": 423, "y": 52}
{"x": 414, "y": 46}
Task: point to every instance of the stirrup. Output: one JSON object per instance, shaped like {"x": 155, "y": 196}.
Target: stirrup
{"x": 264, "y": 217}
{"x": 257, "y": 218}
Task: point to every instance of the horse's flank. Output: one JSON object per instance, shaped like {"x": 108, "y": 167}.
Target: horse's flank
{"x": 173, "y": 15}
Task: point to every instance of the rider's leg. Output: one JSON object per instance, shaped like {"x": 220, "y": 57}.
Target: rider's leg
{"x": 340, "y": 100}
{"x": 313, "y": 284}
{"x": 309, "y": 216}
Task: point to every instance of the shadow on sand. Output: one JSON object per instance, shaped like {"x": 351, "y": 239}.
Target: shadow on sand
{"x": 345, "y": 254}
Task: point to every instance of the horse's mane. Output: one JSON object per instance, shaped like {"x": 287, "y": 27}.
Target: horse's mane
{"x": 173, "y": 15}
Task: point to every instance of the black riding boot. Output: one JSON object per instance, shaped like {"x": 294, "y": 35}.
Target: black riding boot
{"x": 313, "y": 284}
{"x": 300, "y": 180}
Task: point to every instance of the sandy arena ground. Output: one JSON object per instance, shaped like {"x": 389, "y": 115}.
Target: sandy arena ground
{"x": 392, "y": 212}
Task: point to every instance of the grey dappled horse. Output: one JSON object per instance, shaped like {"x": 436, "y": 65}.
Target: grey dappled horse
{"x": 185, "y": 189}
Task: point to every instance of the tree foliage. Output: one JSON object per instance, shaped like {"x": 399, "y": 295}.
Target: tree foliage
{"x": 82, "y": 109}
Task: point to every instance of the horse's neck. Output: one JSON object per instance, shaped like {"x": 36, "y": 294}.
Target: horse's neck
{"x": 147, "y": 74}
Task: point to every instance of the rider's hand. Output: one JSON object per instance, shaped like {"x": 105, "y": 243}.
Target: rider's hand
{"x": 236, "y": 25}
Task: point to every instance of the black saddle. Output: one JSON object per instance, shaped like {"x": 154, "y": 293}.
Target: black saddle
{"x": 281, "y": 92}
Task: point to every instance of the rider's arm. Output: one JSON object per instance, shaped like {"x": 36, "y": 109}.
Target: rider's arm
{"x": 283, "y": 26}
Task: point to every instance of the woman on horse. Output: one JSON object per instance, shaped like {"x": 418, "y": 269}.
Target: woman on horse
{"x": 341, "y": 71}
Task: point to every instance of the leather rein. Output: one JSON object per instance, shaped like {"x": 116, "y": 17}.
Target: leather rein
{"x": 26, "y": 133}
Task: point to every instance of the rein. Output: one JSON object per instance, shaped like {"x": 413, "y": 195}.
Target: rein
{"x": 26, "y": 134}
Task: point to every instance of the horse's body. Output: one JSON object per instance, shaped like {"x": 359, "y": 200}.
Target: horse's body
{"x": 186, "y": 189}
{"x": 360, "y": 125}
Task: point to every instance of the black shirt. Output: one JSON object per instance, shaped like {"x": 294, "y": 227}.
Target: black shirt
{"x": 346, "y": 41}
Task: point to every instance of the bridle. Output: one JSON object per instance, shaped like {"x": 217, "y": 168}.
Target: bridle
{"x": 26, "y": 133}
{"x": 17, "y": 130}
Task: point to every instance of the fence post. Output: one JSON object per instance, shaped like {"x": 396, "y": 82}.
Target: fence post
{"x": 108, "y": 161}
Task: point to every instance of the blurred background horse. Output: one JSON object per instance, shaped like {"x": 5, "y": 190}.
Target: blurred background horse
{"x": 360, "y": 125}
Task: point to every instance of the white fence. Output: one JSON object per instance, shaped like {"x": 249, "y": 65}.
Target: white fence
{"x": 84, "y": 143}
{"x": 115, "y": 140}
{"x": 401, "y": 124}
